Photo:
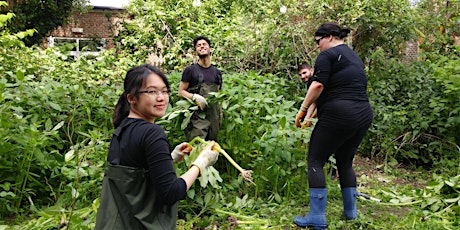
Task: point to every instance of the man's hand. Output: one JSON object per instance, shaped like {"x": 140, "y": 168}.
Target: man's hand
{"x": 200, "y": 101}
{"x": 306, "y": 123}
{"x": 208, "y": 156}
{"x": 300, "y": 116}
{"x": 180, "y": 151}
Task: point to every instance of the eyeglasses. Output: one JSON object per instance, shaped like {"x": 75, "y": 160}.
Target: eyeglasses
{"x": 319, "y": 39}
{"x": 154, "y": 92}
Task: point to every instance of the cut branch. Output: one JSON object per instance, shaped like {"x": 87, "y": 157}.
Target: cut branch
{"x": 246, "y": 174}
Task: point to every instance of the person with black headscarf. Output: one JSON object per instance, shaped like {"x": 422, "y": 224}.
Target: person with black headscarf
{"x": 339, "y": 89}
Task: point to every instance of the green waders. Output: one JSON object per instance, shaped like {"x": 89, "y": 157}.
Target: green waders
{"x": 205, "y": 124}
{"x": 129, "y": 202}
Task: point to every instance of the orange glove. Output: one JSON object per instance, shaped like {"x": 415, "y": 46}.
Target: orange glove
{"x": 300, "y": 116}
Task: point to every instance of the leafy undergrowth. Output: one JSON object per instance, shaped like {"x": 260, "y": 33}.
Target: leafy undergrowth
{"x": 406, "y": 201}
{"x": 398, "y": 207}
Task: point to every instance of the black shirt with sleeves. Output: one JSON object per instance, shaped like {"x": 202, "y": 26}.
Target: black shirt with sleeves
{"x": 145, "y": 145}
{"x": 342, "y": 74}
{"x": 211, "y": 75}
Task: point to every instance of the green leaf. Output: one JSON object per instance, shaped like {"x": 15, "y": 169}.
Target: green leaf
{"x": 184, "y": 103}
{"x": 58, "y": 126}
{"x": 278, "y": 198}
{"x": 5, "y": 194}
{"x": 55, "y": 106}
{"x": 70, "y": 155}
{"x": 238, "y": 120}
{"x": 208, "y": 197}
{"x": 452, "y": 200}
{"x": 48, "y": 124}
{"x": 173, "y": 115}
{"x": 302, "y": 164}
{"x": 39, "y": 156}
{"x": 191, "y": 193}
{"x": 185, "y": 122}
{"x": 283, "y": 122}
{"x": 20, "y": 75}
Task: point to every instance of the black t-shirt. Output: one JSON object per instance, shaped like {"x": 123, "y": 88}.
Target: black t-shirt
{"x": 342, "y": 74}
{"x": 145, "y": 145}
{"x": 211, "y": 75}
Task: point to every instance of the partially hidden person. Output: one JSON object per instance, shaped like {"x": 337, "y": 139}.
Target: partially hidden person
{"x": 305, "y": 73}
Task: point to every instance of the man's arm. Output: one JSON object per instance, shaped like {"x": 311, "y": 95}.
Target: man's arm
{"x": 315, "y": 89}
{"x": 198, "y": 99}
{"x": 182, "y": 91}
{"x": 311, "y": 113}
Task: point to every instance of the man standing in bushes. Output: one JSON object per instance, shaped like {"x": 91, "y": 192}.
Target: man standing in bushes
{"x": 198, "y": 80}
{"x": 305, "y": 72}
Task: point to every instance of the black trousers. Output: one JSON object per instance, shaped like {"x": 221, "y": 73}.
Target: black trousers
{"x": 341, "y": 127}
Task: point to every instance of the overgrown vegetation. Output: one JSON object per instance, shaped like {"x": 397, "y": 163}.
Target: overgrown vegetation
{"x": 55, "y": 116}
{"x": 41, "y": 16}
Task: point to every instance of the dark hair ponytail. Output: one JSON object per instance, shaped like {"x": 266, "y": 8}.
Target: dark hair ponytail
{"x": 121, "y": 110}
{"x": 134, "y": 80}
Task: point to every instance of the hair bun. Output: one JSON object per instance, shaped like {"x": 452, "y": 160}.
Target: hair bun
{"x": 344, "y": 32}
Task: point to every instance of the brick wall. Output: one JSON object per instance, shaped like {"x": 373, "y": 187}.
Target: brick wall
{"x": 100, "y": 22}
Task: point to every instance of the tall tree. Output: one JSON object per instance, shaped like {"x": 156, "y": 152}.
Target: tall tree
{"x": 42, "y": 15}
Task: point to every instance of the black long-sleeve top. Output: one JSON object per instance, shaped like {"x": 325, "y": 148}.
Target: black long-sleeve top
{"x": 145, "y": 145}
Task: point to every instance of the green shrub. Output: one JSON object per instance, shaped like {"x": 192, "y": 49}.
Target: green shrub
{"x": 416, "y": 113}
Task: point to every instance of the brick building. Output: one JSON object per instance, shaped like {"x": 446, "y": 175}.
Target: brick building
{"x": 91, "y": 31}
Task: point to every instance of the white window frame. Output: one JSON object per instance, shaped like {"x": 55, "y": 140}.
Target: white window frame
{"x": 78, "y": 52}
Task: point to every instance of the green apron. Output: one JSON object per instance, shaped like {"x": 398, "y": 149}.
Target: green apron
{"x": 129, "y": 202}
{"x": 205, "y": 124}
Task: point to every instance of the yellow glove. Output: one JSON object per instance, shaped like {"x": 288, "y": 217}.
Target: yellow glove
{"x": 300, "y": 116}
{"x": 208, "y": 156}
{"x": 200, "y": 101}
{"x": 180, "y": 151}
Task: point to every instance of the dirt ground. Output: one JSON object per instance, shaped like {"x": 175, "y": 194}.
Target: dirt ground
{"x": 374, "y": 171}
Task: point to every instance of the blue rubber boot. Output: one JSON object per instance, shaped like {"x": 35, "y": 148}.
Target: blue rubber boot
{"x": 317, "y": 216}
{"x": 349, "y": 203}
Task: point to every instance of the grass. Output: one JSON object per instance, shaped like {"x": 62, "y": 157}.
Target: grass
{"x": 269, "y": 214}
{"x": 241, "y": 211}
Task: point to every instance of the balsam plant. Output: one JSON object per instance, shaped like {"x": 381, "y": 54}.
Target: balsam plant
{"x": 245, "y": 174}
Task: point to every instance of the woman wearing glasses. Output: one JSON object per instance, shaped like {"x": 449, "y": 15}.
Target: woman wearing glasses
{"x": 140, "y": 189}
{"x": 338, "y": 88}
